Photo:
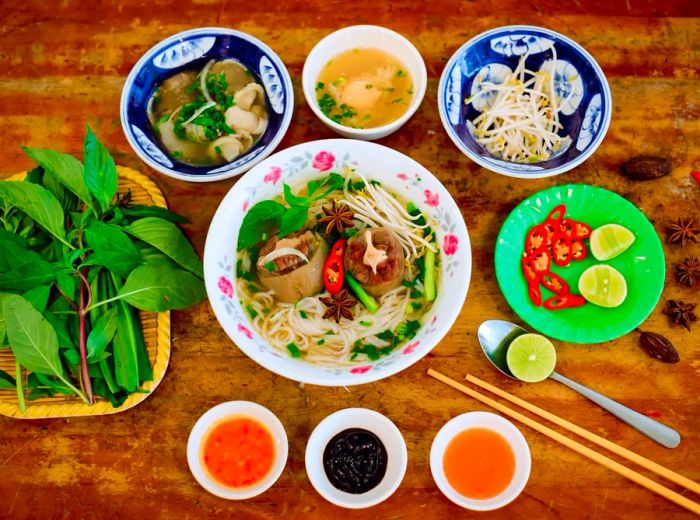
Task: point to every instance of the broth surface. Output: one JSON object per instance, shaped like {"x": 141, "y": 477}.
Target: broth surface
{"x": 364, "y": 88}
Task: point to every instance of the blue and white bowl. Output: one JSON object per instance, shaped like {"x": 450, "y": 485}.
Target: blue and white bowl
{"x": 585, "y": 116}
{"x": 191, "y": 50}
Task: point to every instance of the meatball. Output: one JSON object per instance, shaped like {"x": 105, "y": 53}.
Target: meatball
{"x": 375, "y": 257}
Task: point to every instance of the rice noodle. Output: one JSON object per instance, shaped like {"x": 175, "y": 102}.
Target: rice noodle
{"x": 522, "y": 123}
{"x": 283, "y": 323}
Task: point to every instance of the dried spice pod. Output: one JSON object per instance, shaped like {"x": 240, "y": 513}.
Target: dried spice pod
{"x": 688, "y": 272}
{"x": 682, "y": 231}
{"x": 646, "y": 167}
{"x": 658, "y": 346}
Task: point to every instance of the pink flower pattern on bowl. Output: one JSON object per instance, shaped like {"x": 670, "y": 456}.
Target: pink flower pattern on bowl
{"x": 323, "y": 161}
{"x": 431, "y": 199}
{"x": 225, "y": 286}
{"x": 450, "y": 244}
{"x": 411, "y": 347}
{"x": 360, "y": 370}
{"x": 245, "y": 330}
{"x": 273, "y": 175}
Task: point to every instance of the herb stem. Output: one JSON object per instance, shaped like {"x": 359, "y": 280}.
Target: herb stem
{"x": 85, "y": 299}
{"x": 367, "y": 300}
{"x": 104, "y": 302}
{"x": 71, "y": 302}
{"x": 20, "y": 388}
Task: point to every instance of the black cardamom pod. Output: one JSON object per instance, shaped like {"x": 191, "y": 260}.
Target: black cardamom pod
{"x": 658, "y": 346}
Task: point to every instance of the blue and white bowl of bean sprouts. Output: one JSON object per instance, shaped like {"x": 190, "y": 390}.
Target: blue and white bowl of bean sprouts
{"x": 524, "y": 101}
{"x": 206, "y": 104}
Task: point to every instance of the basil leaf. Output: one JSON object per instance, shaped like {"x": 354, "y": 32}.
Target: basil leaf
{"x": 67, "y": 283}
{"x": 294, "y": 200}
{"x": 262, "y": 219}
{"x": 162, "y": 287}
{"x": 38, "y": 203}
{"x": 293, "y": 220}
{"x": 38, "y": 297}
{"x": 66, "y": 198}
{"x": 100, "y": 171}
{"x": 65, "y": 168}
{"x": 27, "y": 276}
{"x": 71, "y": 355}
{"x": 112, "y": 248}
{"x": 6, "y": 380}
{"x": 168, "y": 238}
{"x": 101, "y": 334}
{"x": 14, "y": 255}
{"x": 139, "y": 210}
{"x": 15, "y": 239}
{"x": 32, "y": 339}
{"x": 36, "y": 380}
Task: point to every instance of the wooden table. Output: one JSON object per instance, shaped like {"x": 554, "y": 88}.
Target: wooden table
{"x": 62, "y": 67}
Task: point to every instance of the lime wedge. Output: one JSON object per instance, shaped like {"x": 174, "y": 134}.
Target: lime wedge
{"x": 531, "y": 358}
{"x": 603, "y": 285}
{"x": 610, "y": 240}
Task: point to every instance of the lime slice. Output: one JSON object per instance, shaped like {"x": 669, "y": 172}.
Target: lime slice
{"x": 610, "y": 240}
{"x": 531, "y": 358}
{"x": 603, "y": 285}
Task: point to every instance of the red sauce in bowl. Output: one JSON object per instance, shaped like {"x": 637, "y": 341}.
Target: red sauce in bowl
{"x": 238, "y": 452}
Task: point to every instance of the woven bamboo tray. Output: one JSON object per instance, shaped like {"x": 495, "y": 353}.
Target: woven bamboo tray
{"x": 156, "y": 332}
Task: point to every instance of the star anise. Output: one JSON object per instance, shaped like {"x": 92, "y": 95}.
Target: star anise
{"x": 339, "y": 305}
{"x": 688, "y": 272}
{"x": 681, "y": 231}
{"x": 680, "y": 313}
{"x": 338, "y": 217}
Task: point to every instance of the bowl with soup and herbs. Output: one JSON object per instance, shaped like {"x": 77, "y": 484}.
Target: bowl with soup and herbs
{"x": 206, "y": 104}
{"x": 364, "y": 81}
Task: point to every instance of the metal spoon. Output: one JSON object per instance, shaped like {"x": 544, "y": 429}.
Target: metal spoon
{"x": 496, "y": 336}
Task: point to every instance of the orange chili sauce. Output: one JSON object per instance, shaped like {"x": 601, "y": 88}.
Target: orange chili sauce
{"x": 479, "y": 463}
{"x": 238, "y": 452}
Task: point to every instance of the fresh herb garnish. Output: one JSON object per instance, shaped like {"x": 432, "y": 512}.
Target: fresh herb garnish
{"x": 251, "y": 312}
{"x": 400, "y": 73}
{"x": 270, "y": 266}
{"x": 85, "y": 257}
{"x": 397, "y": 100}
{"x": 365, "y": 323}
{"x": 320, "y": 341}
{"x": 320, "y": 85}
{"x": 304, "y": 314}
{"x": 368, "y": 86}
{"x": 294, "y": 350}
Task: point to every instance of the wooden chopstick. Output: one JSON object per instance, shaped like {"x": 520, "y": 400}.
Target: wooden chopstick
{"x": 574, "y": 445}
{"x": 597, "y": 439}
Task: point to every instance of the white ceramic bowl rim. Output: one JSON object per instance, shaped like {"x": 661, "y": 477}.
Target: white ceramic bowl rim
{"x": 397, "y": 171}
{"x": 308, "y": 83}
{"x": 503, "y": 170}
{"x": 232, "y": 409}
{"x": 382, "y": 427}
{"x": 493, "y": 422}
{"x": 158, "y": 47}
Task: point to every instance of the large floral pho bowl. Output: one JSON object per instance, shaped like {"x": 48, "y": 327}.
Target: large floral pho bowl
{"x": 191, "y": 50}
{"x": 295, "y": 166}
{"x": 585, "y": 104}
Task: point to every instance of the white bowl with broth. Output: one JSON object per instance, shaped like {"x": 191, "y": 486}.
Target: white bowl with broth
{"x": 330, "y": 355}
{"x": 374, "y": 73}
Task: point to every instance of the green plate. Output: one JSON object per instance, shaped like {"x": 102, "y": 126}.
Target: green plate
{"x": 642, "y": 264}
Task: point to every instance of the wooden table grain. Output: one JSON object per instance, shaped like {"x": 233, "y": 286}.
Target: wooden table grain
{"x": 62, "y": 66}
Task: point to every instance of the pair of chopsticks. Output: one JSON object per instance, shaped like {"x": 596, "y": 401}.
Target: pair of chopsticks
{"x": 577, "y": 446}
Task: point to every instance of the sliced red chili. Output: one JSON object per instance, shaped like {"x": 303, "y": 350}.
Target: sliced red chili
{"x": 567, "y": 227}
{"x": 541, "y": 260}
{"x": 533, "y": 290}
{"x": 557, "y": 214}
{"x": 531, "y": 275}
{"x": 536, "y": 238}
{"x": 555, "y": 283}
{"x": 581, "y": 230}
{"x": 333, "y": 269}
{"x": 564, "y": 301}
{"x": 561, "y": 249}
{"x": 578, "y": 250}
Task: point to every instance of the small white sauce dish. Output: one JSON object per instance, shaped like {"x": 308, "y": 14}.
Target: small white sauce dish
{"x": 493, "y": 422}
{"x": 230, "y": 410}
{"x": 367, "y": 37}
{"x": 384, "y": 429}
